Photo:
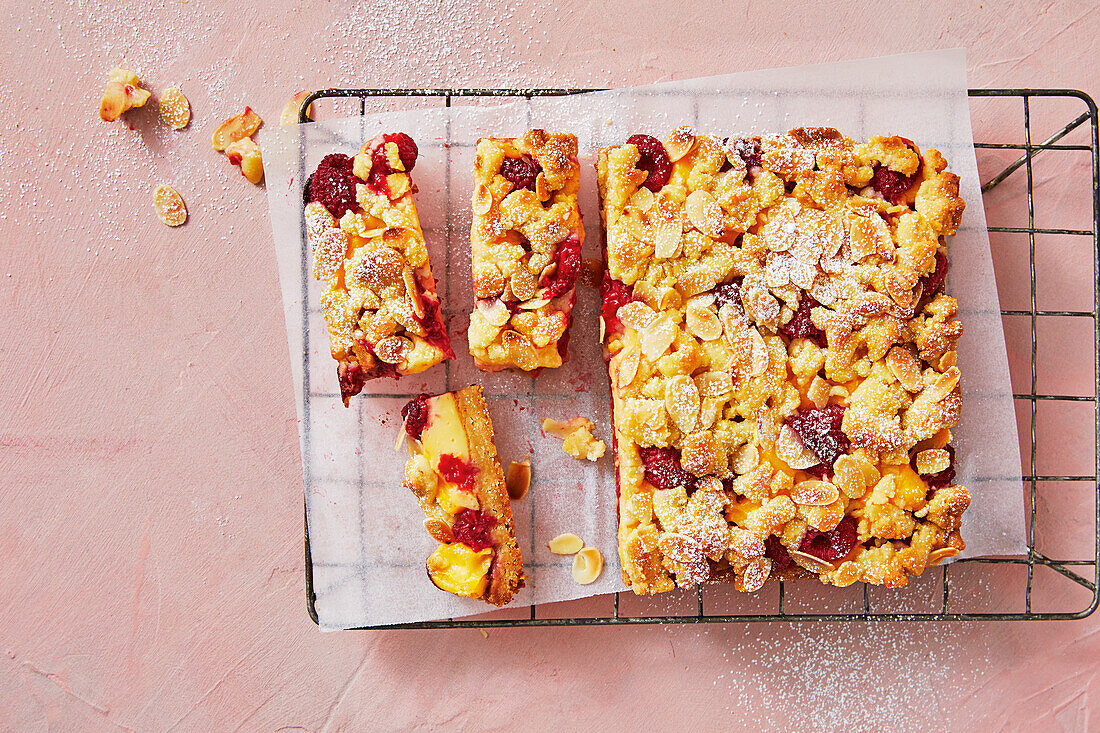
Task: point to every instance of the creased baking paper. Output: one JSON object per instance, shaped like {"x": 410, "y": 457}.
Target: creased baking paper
{"x": 366, "y": 537}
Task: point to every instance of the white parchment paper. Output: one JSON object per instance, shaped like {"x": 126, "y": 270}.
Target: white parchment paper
{"x": 368, "y": 545}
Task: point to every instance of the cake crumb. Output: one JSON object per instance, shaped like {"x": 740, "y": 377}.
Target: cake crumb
{"x": 578, "y": 439}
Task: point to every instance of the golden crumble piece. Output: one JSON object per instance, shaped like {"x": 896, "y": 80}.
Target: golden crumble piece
{"x": 782, "y": 357}
{"x": 577, "y": 437}
{"x": 526, "y": 239}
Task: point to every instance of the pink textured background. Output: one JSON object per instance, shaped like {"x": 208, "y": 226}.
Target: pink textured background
{"x": 151, "y": 540}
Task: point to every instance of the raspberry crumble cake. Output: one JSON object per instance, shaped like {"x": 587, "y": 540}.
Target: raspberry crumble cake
{"x": 454, "y": 473}
{"x": 380, "y": 303}
{"x": 526, "y": 239}
{"x": 782, "y": 358}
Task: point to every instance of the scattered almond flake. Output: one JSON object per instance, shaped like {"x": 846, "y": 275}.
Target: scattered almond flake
{"x": 169, "y": 206}
{"x": 578, "y": 440}
{"x": 587, "y": 565}
{"x": 565, "y": 544}
{"x": 657, "y": 337}
{"x": 289, "y": 115}
{"x": 814, "y": 493}
{"x": 237, "y": 127}
{"x": 789, "y": 448}
{"x": 937, "y": 556}
{"x": 680, "y": 142}
{"x": 484, "y": 633}
{"x": 175, "y": 110}
{"x": 809, "y": 562}
{"x": 518, "y": 479}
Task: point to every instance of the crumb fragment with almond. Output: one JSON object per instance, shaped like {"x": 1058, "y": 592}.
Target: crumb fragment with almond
{"x": 578, "y": 439}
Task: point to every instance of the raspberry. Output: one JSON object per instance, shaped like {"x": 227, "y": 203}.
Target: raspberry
{"x": 458, "y": 471}
{"x": 932, "y": 283}
{"x": 406, "y": 149}
{"x": 653, "y": 160}
{"x": 832, "y": 545}
{"x": 416, "y": 414}
{"x": 521, "y": 171}
{"x": 351, "y": 377}
{"x": 727, "y": 293}
{"x": 801, "y": 325}
{"x": 613, "y": 295}
{"x": 944, "y": 477}
{"x": 773, "y": 548}
{"x": 663, "y": 469}
{"x": 473, "y": 527}
{"x": 333, "y": 184}
{"x": 820, "y": 431}
{"x": 434, "y": 331}
{"x": 568, "y": 257}
{"x": 750, "y": 152}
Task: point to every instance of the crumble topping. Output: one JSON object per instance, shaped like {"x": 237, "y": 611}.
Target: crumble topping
{"x": 577, "y": 437}
{"x": 782, "y": 357}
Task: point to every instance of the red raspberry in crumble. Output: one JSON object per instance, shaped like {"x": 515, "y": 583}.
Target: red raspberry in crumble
{"x": 416, "y": 414}
{"x": 774, "y": 549}
{"x": 458, "y": 471}
{"x": 820, "y": 431}
{"x": 333, "y": 184}
{"x": 654, "y": 160}
{"x": 934, "y": 282}
{"x": 351, "y": 377}
{"x": 474, "y": 527}
{"x": 750, "y": 152}
{"x": 801, "y": 325}
{"x": 832, "y": 545}
{"x": 521, "y": 171}
{"x": 727, "y": 293}
{"x": 613, "y": 295}
{"x": 568, "y": 258}
{"x": 663, "y": 469}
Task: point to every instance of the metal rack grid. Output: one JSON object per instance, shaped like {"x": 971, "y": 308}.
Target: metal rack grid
{"x": 1085, "y": 573}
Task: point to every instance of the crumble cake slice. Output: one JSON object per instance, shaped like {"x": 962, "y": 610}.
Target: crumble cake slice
{"x": 380, "y": 303}
{"x": 454, "y": 472}
{"x": 526, "y": 242}
{"x": 782, "y": 358}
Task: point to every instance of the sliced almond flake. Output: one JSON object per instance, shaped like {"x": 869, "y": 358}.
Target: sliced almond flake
{"x": 945, "y": 384}
{"x": 790, "y": 449}
{"x": 524, "y": 285}
{"x": 759, "y": 357}
{"x": 680, "y": 142}
{"x": 814, "y": 493}
{"x": 734, "y": 323}
{"x": 822, "y": 291}
{"x": 703, "y": 322}
{"x": 716, "y": 384}
{"x": 709, "y": 410}
{"x": 657, "y": 337}
{"x": 809, "y": 562}
{"x": 169, "y": 206}
{"x": 518, "y": 479}
{"x": 174, "y": 109}
{"x": 753, "y": 577}
{"x": 682, "y": 402}
{"x": 439, "y": 530}
{"x": 668, "y": 223}
{"x": 414, "y": 292}
{"x": 587, "y": 565}
{"x": 704, "y": 213}
{"x": 534, "y": 304}
{"x": 818, "y": 392}
{"x": 392, "y": 349}
{"x": 760, "y": 305}
{"x": 937, "y": 556}
{"x": 565, "y": 544}
{"x": 744, "y": 459}
{"x": 904, "y": 366}
{"x": 483, "y": 200}
{"x": 932, "y": 461}
{"x": 642, "y": 200}
{"x": 636, "y": 315}
{"x": 629, "y": 361}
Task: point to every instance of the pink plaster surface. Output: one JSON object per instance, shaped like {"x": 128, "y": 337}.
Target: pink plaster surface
{"x": 152, "y": 567}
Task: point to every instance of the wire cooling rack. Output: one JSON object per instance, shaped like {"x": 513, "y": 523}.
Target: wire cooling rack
{"x": 937, "y": 600}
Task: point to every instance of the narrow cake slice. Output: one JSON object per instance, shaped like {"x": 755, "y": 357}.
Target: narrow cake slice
{"x": 782, "y": 358}
{"x": 455, "y": 474}
{"x": 526, "y": 240}
{"x": 380, "y": 304}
